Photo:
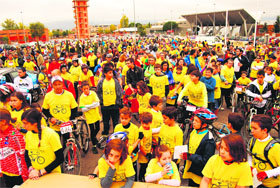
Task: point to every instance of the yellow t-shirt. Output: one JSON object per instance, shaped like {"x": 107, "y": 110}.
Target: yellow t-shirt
{"x": 11, "y": 64}
{"x": 197, "y": 94}
{"x": 67, "y": 76}
{"x": 171, "y": 136}
{"x": 86, "y": 77}
{"x": 228, "y": 73}
{"x": 60, "y": 106}
{"x": 42, "y": 77}
{"x": 93, "y": 114}
{"x": 276, "y": 85}
{"x": 143, "y": 102}
{"x": 122, "y": 171}
{"x": 75, "y": 73}
{"x": 195, "y": 140}
{"x": 158, "y": 84}
{"x": 29, "y": 66}
{"x": 44, "y": 155}
{"x": 186, "y": 80}
{"x": 17, "y": 115}
{"x": 120, "y": 64}
{"x": 244, "y": 81}
{"x": 273, "y": 156}
{"x": 222, "y": 175}
{"x": 132, "y": 136}
{"x": 6, "y": 105}
{"x": 109, "y": 92}
{"x": 184, "y": 71}
{"x": 274, "y": 65}
{"x": 155, "y": 167}
{"x": 217, "y": 91}
{"x": 84, "y": 59}
{"x": 91, "y": 59}
{"x": 124, "y": 71}
{"x": 146, "y": 144}
{"x": 253, "y": 73}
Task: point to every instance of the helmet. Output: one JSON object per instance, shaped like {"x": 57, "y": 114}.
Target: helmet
{"x": 6, "y": 89}
{"x": 206, "y": 115}
{"x": 117, "y": 135}
{"x": 2, "y": 79}
{"x": 84, "y": 66}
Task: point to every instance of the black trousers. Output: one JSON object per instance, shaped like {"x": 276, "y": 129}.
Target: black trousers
{"x": 226, "y": 93}
{"x": 109, "y": 112}
{"x": 11, "y": 181}
{"x": 135, "y": 169}
{"x": 94, "y": 129}
{"x": 142, "y": 171}
{"x": 76, "y": 90}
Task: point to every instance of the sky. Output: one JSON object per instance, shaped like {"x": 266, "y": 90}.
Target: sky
{"x": 58, "y": 14}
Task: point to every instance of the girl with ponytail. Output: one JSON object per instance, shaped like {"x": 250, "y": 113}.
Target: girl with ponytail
{"x": 43, "y": 152}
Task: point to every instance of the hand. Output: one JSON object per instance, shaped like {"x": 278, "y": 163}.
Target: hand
{"x": 179, "y": 103}
{"x": 34, "y": 174}
{"x": 53, "y": 120}
{"x": 226, "y": 82}
{"x": 166, "y": 169}
{"x": 92, "y": 176}
{"x": 240, "y": 64}
{"x": 261, "y": 176}
{"x": 141, "y": 135}
{"x": 110, "y": 164}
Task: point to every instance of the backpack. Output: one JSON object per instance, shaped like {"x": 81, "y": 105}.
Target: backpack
{"x": 266, "y": 150}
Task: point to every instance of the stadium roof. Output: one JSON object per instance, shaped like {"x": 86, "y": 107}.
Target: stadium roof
{"x": 235, "y": 17}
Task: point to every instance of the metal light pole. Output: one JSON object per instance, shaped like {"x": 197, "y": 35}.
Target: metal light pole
{"x": 171, "y": 20}
{"x": 134, "y": 16}
{"x": 23, "y": 27}
{"x": 214, "y": 28}
{"x": 226, "y": 27}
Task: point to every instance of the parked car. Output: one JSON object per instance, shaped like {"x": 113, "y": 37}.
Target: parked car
{"x": 10, "y": 74}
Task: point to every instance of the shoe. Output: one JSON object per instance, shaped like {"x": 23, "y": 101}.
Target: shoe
{"x": 94, "y": 150}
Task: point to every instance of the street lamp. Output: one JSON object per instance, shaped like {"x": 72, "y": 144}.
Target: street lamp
{"x": 214, "y": 28}
{"x": 23, "y": 27}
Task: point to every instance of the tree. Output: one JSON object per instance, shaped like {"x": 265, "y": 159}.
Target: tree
{"x": 100, "y": 30}
{"x": 22, "y": 26}
{"x": 36, "y": 30}
{"x": 141, "y": 30}
{"x": 264, "y": 28}
{"x": 277, "y": 25}
{"x": 9, "y": 24}
{"x": 113, "y": 28}
{"x": 4, "y": 40}
{"x": 170, "y": 25}
{"x": 124, "y": 21}
{"x": 56, "y": 33}
{"x": 148, "y": 25}
{"x": 65, "y": 33}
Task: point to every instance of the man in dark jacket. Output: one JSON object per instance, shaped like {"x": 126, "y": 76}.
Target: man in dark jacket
{"x": 134, "y": 74}
{"x": 241, "y": 63}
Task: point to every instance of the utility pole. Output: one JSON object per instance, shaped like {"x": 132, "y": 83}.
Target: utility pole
{"x": 23, "y": 27}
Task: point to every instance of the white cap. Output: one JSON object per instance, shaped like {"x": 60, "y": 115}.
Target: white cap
{"x": 56, "y": 78}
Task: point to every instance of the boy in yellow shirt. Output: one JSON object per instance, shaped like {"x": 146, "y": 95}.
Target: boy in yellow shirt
{"x": 133, "y": 135}
{"x": 156, "y": 107}
{"x": 244, "y": 80}
{"x": 145, "y": 155}
{"x": 89, "y": 104}
{"x": 29, "y": 65}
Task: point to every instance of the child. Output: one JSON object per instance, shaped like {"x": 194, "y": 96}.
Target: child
{"x": 43, "y": 78}
{"x": 243, "y": 80}
{"x": 178, "y": 76}
{"x": 267, "y": 162}
{"x": 86, "y": 75}
{"x": 170, "y": 133}
{"x": 201, "y": 146}
{"x": 162, "y": 170}
{"x": 145, "y": 144}
{"x": 269, "y": 76}
{"x": 235, "y": 123}
{"x": 217, "y": 91}
{"x": 210, "y": 84}
{"x": 89, "y": 102}
{"x": 109, "y": 92}
{"x": 65, "y": 74}
{"x": 159, "y": 82}
{"x": 12, "y": 145}
{"x": 156, "y": 107}
{"x": 195, "y": 91}
{"x": 116, "y": 165}
{"x": 143, "y": 96}
{"x": 229, "y": 168}
{"x": 133, "y": 135}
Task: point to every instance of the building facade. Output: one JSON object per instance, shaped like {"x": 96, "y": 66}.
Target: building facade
{"x": 81, "y": 19}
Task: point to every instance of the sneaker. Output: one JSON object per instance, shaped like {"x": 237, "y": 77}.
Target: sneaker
{"x": 94, "y": 150}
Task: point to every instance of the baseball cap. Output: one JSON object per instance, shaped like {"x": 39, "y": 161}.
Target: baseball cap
{"x": 56, "y": 78}
{"x": 109, "y": 56}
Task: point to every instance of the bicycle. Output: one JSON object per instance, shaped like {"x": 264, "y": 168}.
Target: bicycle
{"x": 78, "y": 140}
{"x": 238, "y": 97}
{"x": 274, "y": 113}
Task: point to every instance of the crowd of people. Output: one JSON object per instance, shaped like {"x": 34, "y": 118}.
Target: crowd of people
{"x": 139, "y": 83}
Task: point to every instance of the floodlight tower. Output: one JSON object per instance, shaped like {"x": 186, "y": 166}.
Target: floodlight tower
{"x": 81, "y": 18}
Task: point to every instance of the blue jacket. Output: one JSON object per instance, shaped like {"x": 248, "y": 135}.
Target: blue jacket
{"x": 210, "y": 84}
{"x": 188, "y": 61}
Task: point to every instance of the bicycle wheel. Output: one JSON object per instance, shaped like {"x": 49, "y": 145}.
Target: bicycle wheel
{"x": 72, "y": 160}
{"x": 234, "y": 102}
{"x": 245, "y": 131}
{"x": 84, "y": 135}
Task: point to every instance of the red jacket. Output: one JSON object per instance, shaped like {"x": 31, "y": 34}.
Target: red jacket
{"x": 67, "y": 85}
{"x": 12, "y": 148}
{"x": 52, "y": 66}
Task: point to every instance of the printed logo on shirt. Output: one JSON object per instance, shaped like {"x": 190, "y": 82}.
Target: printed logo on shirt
{"x": 59, "y": 109}
{"x": 107, "y": 91}
{"x": 36, "y": 157}
{"x": 231, "y": 183}
{"x": 6, "y": 152}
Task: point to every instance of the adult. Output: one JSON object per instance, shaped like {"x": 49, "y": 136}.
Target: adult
{"x": 241, "y": 63}
{"x": 23, "y": 83}
{"x": 39, "y": 58}
{"x": 192, "y": 59}
{"x": 134, "y": 74}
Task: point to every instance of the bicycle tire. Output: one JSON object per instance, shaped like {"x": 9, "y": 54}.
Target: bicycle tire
{"x": 69, "y": 157}
{"x": 245, "y": 131}
{"x": 234, "y": 102}
{"x": 84, "y": 135}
